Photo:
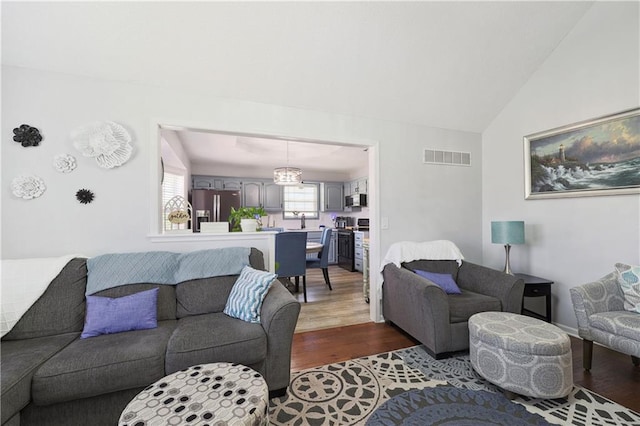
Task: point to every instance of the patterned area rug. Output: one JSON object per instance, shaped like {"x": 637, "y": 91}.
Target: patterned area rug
{"x": 348, "y": 393}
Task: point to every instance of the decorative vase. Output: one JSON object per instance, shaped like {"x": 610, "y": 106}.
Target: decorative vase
{"x": 249, "y": 225}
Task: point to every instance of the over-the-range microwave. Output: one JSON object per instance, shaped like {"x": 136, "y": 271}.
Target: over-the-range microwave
{"x": 356, "y": 200}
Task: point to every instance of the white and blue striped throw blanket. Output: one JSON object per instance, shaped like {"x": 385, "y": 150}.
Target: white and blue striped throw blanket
{"x": 163, "y": 267}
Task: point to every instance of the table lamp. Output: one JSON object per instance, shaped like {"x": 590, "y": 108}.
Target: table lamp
{"x": 507, "y": 233}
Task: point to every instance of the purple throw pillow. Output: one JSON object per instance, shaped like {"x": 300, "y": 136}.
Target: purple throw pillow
{"x": 444, "y": 281}
{"x": 106, "y": 315}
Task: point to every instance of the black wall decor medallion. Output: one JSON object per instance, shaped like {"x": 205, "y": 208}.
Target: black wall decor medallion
{"x": 84, "y": 196}
{"x": 27, "y": 135}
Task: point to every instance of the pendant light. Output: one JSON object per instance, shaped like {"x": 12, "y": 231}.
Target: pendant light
{"x": 287, "y": 175}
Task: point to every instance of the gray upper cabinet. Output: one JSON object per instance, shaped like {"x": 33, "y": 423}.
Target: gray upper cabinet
{"x": 252, "y": 193}
{"x": 361, "y": 186}
{"x": 215, "y": 182}
{"x": 333, "y": 197}
{"x": 232, "y": 184}
{"x": 273, "y": 197}
{"x": 202, "y": 182}
{"x": 347, "y": 189}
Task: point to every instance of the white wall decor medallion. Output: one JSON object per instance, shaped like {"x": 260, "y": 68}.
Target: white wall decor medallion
{"x": 108, "y": 142}
{"x": 64, "y": 163}
{"x": 28, "y": 187}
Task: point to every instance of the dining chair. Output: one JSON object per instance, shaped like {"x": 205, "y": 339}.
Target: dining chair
{"x": 291, "y": 256}
{"x": 323, "y": 256}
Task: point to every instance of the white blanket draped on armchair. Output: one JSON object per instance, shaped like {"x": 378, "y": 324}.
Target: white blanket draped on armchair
{"x": 23, "y": 282}
{"x": 408, "y": 251}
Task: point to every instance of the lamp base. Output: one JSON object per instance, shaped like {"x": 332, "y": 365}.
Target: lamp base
{"x": 507, "y": 266}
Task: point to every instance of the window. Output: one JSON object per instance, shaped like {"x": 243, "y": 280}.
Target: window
{"x": 172, "y": 185}
{"x": 299, "y": 199}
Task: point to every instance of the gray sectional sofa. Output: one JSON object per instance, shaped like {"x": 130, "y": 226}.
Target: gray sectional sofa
{"x": 52, "y": 377}
{"x": 440, "y": 320}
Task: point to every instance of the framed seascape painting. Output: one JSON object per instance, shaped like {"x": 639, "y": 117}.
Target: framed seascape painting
{"x": 594, "y": 157}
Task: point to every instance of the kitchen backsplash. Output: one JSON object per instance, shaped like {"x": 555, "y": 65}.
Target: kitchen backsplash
{"x": 276, "y": 220}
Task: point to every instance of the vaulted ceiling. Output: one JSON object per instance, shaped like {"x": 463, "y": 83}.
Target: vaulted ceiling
{"x": 442, "y": 64}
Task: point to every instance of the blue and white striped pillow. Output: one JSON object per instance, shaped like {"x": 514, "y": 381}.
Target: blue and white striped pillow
{"x": 247, "y": 294}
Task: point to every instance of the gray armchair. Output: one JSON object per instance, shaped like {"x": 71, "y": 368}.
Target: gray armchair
{"x": 439, "y": 320}
{"x": 599, "y": 308}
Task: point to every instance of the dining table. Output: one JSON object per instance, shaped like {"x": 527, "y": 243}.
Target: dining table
{"x": 313, "y": 247}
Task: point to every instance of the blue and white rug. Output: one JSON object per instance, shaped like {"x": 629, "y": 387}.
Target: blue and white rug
{"x": 348, "y": 393}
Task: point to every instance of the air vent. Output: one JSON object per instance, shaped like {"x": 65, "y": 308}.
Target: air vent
{"x": 449, "y": 158}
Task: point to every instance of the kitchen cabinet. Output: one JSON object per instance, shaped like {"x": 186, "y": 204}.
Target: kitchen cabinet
{"x": 358, "y": 186}
{"x": 206, "y": 182}
{"x": 347, "y": 189}
{"x": 333, "y": 249}
{"x": 333, "y": 198}
{"x": 252, "y": 194}
{"x": 232, "y": 184}
{"x": 358, "y": 242}
{"x": 361, "y": 186}
{"x": 215, "y": 182}
{"x": 273, "y": 194}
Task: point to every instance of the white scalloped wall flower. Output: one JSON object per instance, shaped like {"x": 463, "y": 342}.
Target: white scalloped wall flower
{"x": 64, "y": 163}
{"x": 28, "y": 187}
{"x": 106, "y": 141}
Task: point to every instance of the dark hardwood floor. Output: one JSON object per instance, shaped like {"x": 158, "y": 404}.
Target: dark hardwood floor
{"x": 612, "y": 374}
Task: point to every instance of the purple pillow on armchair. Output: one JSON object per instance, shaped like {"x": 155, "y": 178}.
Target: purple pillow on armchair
{"x": 444, "y": 281}
{"x": 106, "y": 315}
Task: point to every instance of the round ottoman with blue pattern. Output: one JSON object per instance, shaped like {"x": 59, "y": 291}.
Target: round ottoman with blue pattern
{"x": 521, "y": 354}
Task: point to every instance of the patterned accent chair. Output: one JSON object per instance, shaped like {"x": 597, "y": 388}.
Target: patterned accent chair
{"x": 599, "y": 308}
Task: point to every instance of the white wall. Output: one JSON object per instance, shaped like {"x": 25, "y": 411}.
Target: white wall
{"x": 421, "y": 202}
{"x": 593, "y": 72}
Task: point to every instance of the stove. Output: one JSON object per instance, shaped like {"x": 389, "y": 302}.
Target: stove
{"x": 346, "y": 244}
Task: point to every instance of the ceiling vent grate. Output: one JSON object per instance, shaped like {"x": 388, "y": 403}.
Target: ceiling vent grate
{"x": 448, "y": 158}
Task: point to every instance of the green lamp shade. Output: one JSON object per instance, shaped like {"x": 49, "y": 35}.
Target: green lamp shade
{"x": 509, "y": 232}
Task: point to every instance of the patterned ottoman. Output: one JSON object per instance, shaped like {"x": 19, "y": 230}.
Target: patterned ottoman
{"x": 521, "y": 354}
{"x": 208, "y": 394}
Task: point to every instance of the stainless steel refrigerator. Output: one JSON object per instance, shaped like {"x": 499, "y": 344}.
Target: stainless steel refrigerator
{"x": 210, "y": 205}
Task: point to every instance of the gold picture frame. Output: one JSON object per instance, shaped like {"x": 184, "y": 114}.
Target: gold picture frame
{"x": 594, "y": 157}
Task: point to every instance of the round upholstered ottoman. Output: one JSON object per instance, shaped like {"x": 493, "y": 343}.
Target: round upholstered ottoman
{"x": 521, "y": 354}
{"x": 209, "y": 394}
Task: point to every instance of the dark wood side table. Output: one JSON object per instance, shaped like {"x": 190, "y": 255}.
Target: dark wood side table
{"x": 536, "y": 287}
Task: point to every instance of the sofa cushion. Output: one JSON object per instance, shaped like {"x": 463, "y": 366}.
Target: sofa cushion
{"x": 619, "y": 323}
{"x": 247, "y": 294}
{"x": 60, "y": 309}
{"x": 629, "y": 282}
{"x": 209, "y": 295}
{"x": 203, "y": 296}
{"x": 462, "y": 306}
{"x": 20, "y": 361}
{"x": 437, "y": 266}
{"x": 228, "y": 339}
{"x": 166, "y": 297}
{"x": 444, "y": 281}
{"x": 103, "y": 364}
{"x": 107, "y": 315}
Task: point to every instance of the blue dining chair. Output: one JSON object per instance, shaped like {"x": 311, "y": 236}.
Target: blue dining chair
{"x": 291, "y": 256}
{"x": 323, "y": 256}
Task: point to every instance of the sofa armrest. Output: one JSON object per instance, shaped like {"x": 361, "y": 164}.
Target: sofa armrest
{"x": 279, "y": 316}
{"x": 603, "y": 295}
{"x": 480, "y": 279}
{"x": 416, "y": 305}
